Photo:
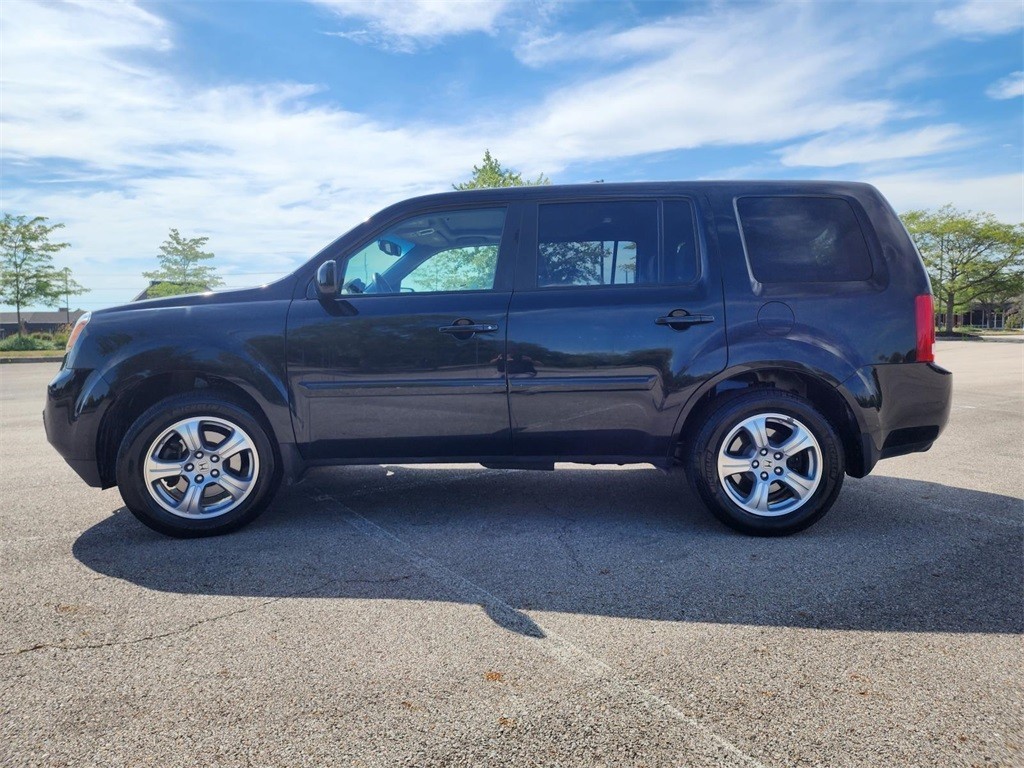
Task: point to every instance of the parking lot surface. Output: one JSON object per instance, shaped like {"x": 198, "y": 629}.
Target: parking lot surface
{"x": 451, "y": 615}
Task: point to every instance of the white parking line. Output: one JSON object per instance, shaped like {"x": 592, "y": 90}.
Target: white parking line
{"x": 570, "y": 655}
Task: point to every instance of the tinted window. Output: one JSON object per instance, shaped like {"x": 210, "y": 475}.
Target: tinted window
{"x": 458, "y": 269}
{"x": 597, "y": 243}
{"x": 443, "y": 251}
{"x": 681, "y": 251}
{"x": 803, "y": 240}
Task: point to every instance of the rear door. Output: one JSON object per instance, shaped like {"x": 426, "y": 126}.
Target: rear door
{"x": 617, "y": 318}
{"x": 409, "y": 360}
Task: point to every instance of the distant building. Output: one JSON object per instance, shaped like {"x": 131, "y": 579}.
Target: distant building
{"x": 147, "y": 293}
{"x": 37, "y": 322}
{"x": 989, "y": 315}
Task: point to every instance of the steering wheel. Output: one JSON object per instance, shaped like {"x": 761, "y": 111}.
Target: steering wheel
{"x": 383, "y": 286}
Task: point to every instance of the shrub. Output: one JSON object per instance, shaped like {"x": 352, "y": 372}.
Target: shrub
{"x": 35, "y": 341}
{"x": 22, "y": 344}
{"x": 61, "y": 335}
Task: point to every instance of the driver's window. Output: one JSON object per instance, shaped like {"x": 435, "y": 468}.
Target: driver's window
{"x": 457, "y": 269}
{"x": 363, "y": 265}
{"x": 429, "y": 253}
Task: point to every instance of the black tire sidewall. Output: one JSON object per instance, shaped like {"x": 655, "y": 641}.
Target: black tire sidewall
{"x": 704, "y": 462}
{"x": 158, "y": 418}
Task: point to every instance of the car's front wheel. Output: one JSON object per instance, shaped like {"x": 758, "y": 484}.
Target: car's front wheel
{"x": 767, "y": 463}
{"x": 196, "y": 464}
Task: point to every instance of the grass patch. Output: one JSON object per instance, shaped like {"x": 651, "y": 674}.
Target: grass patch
{"x": 30, "y": 353}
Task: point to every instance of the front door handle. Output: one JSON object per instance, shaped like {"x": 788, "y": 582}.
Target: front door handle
{"x": 680, "y": 318}
{"x": 468, "y": 328}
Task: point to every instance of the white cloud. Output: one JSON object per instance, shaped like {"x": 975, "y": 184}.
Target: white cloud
{"x": 270, "y": 177}
{"x": 999, "y": 194}
{"x": 982, "y": 17}
{"x": 831, "y": 150}
{"x": 1008, "y": 87}
{"x": 402, "y": 25}
{"x": 734, "y": 76}
{"x": 608, "y": 44}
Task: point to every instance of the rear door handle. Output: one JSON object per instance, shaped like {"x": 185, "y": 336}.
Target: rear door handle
{"x": 680, "y": 318}
{"x": 468, "y": 328}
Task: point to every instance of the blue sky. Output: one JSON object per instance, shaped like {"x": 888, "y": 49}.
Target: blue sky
{"x": 274, "y": 127}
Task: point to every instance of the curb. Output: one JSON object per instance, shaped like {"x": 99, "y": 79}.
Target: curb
{"x": 47, "y": 359}
{"x": 977, "y": 339}
{"x": 1004, "y": 339}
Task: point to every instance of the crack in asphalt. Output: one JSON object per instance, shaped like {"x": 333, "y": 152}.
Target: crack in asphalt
{"x": 563, "y": 538}
{"x": 63, "y": 646}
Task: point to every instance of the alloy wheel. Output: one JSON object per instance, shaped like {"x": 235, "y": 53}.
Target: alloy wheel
{"x": 770, "y": 464}
{"x": 201, "y": 467}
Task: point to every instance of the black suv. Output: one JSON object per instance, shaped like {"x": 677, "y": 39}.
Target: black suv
{"x": 768, "y": 337}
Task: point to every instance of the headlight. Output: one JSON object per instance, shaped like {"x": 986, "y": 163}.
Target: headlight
{"x": 77, "y": 331}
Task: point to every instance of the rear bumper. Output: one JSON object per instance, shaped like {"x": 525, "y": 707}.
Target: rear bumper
{"x": 75, "y": 403}
{"x": 902, "y": 408}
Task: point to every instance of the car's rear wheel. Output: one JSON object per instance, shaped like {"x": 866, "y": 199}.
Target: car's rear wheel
{"x": 196, "y": 464}
{"x": 767, "y": 463}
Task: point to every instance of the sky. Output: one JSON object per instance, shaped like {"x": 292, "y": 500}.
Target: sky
{"x": 272, "y": 128}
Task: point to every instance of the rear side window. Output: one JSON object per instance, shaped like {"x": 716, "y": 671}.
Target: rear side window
{"x": 803, "y": 240}
{"x": 681, "y": 252}
{"x": 615, "y": 242}
{"x": 597, "y": 243}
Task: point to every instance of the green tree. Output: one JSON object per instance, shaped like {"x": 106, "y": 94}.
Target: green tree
{"x": 67, "y": 286}
{"x": 181, "y": 267}
{"x": 26, "y": 262}
{"x": 490, "y": 174}
{"x": 968, "y": 255}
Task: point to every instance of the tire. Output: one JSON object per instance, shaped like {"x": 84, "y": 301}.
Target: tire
{"x": 196, "y": 464}
{"x": 788, "y": 459}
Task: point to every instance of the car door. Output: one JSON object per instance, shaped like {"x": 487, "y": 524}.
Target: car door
{"x": 618, "y": 316}
{"x": 407, "y": 361}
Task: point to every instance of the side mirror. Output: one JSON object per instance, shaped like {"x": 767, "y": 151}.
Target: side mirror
{"x": 327, "y": 280}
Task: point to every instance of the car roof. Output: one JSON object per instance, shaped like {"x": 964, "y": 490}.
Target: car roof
{"x": 633, "y": 189}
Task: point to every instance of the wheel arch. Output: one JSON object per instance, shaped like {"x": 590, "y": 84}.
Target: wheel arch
{"x": 814, "y": 386}
{"x": 136, "y": 398}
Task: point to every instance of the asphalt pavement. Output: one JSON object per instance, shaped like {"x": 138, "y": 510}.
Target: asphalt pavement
{"x": 451, "y": 615}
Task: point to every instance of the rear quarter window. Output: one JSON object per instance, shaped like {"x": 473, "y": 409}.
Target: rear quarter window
{"x": 803, "y": 240}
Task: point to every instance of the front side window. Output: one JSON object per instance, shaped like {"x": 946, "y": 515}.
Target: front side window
{"x": 429, "y": 253}
{"x": 803, "y": 240}
{"x": 457, "y": 269}
{"x": 597, "y": 243}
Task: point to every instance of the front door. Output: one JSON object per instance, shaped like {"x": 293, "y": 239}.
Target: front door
{"x": 617, "y": 318}
{"x": 407, "y": 362}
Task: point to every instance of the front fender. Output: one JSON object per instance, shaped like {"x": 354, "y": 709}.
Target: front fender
{"x": 238, "y": 367}
{"x": 242, "y": 344}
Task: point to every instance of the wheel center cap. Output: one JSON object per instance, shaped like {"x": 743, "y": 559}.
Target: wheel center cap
{"x": 202, "y": 466}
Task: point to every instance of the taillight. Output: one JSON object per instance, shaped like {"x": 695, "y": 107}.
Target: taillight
{"x": 77, "y": 331}
{"x": 924, "y": 312}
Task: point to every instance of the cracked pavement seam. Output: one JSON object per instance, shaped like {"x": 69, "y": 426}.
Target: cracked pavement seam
{"x": 63, "y": 646}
